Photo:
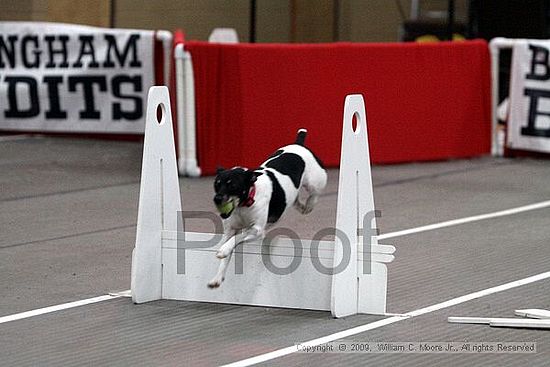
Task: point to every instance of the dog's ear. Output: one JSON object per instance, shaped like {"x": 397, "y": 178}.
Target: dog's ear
{"x": 219, "y": 170}
{"x": 255, "y": 175}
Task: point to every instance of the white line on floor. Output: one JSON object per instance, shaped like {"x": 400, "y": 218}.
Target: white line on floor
{"x": 405, "y": 232}
{"x": 64, "y": 306}
{"x": 455, "y": 222}
{"x": 390, "y": 320}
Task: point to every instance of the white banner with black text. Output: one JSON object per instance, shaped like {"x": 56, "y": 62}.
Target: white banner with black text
{"x": 529, "y": 118}
{"x": 71, "y": 78}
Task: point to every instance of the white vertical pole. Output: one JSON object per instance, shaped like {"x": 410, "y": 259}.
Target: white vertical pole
{"x": 495, "y": 46}
{"x": 159, "y": 198}
{"x": 180, "y": 106}
{"x": 361, "y": 286}
{"x": 186, "y": 118}
{"x": 166, "y": 38}
{"x": 345, "y": 283}
{"x": 191, "y": 165}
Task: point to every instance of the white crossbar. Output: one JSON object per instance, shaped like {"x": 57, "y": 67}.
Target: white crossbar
{"x": 502, "y": 322}
{"x": 534, "y": 313}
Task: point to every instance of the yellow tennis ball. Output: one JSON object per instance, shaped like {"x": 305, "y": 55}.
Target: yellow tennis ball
{"x": 226, "y": 208}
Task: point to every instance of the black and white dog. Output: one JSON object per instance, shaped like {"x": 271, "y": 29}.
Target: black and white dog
{"x": 253, "y": 199}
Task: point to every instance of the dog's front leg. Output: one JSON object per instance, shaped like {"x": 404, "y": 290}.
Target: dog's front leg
{"x": 253, "y": 232}
{"x": 220, "y": 275}
{"x": 229, "y": 235}
{"x": 226, "y": 250}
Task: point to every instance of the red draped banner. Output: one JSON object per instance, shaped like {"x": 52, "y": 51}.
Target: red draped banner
{"x": 424, "y": 101}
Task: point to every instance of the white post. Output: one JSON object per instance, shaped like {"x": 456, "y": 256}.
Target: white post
{"x": 166, "y": 38}
{"x": 192, "y": 168}
{"x": 361, "y": 286}
{"x": 495, "y": 46}
{"x": 180, "y": 106}
{"x": 159, "y": 198}
{"x": 185, "y": 89}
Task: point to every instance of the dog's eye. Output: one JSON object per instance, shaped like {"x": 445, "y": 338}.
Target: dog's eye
{"x": 230, "y": 184}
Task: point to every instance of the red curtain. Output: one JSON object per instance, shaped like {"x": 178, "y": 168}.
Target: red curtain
{"x": 423, "y": 101}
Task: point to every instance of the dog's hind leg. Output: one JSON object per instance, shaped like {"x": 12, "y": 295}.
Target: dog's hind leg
{"x": 310, "y": 203}
{"x": 299, "y": 206}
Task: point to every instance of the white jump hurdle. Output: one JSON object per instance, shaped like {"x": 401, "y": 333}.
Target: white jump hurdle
{"x": 166, "y": 266}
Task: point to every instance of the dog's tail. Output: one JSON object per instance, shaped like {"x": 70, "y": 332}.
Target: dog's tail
{"x": 301, "y": 137}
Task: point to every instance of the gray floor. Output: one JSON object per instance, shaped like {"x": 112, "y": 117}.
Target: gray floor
{"x": 68, "y": 213}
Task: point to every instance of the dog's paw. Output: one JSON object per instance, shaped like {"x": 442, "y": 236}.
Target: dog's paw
{"x": 304, "y": 209}
{"x": 310, "y": 204}
{"x": 215, "y": 283}
{"x": 307, "y": 209}
{"x": 299, "y": 207}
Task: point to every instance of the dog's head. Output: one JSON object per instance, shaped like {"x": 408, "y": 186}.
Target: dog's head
{"x": 231, "y": 188}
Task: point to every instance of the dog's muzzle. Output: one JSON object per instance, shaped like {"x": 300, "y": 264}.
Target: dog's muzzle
{"x": 218, "y": 199}
{"x": 224, "y": 206}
